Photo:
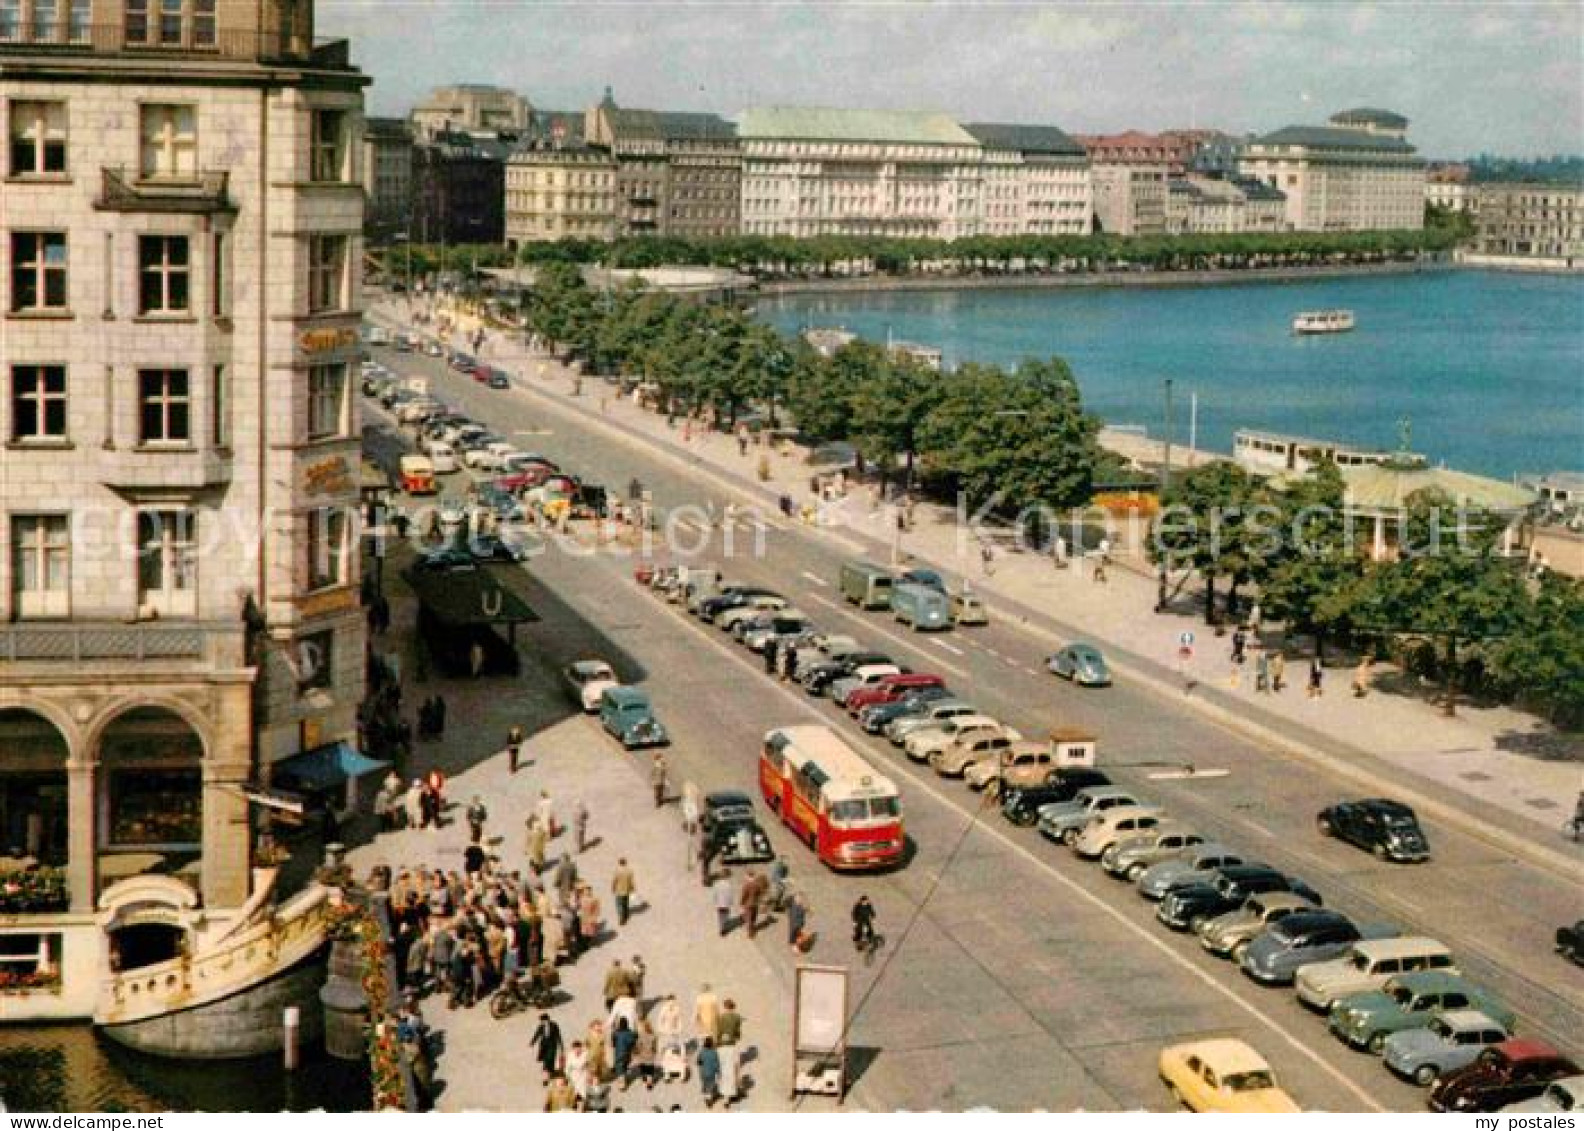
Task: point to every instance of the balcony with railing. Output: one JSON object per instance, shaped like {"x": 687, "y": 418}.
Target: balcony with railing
{"x": 26, "y": 645}
{"x": 123, "y": 190}
{"x": 189, "y": 41}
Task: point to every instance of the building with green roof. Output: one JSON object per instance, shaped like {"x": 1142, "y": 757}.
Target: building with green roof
{"x": 1356, "y": 173}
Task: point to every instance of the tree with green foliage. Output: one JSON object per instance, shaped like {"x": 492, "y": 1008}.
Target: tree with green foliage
{"x": 1307, "y": 579}
{"x": 1204, "y": 527}
{"x": 1542, "y": 660}
{"x": 889, "y": 409}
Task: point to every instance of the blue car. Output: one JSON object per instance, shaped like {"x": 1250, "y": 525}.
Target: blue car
{"x": 1081, "y": 663}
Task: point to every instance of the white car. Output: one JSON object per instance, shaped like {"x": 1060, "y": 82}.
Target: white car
{"x": 1564, "y": 1096}
{"x": 587, "y": 681}
{"x": 378, "y": 336}
{"x": 921, "y": 744}
{"x": 758, "y": 603}
{"x": 491, "y": 457}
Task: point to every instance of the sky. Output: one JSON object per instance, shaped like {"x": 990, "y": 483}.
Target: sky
{"x": 1490, "y": 77}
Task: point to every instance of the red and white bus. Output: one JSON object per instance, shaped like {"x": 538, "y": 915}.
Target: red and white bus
{"x": 850, "y": 815}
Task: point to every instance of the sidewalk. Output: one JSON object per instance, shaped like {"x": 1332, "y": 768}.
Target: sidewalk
{"x": 1495, "y": 756}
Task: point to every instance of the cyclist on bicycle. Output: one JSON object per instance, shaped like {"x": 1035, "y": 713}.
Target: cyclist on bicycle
{"x": 863, "y": 920}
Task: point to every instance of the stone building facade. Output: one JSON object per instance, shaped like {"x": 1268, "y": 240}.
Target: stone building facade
{"x": 557, "y": 190}
{"x": 1199, "y": 204}
{"x": 387, "y": 177}
{"x": 1356, "y": 174}
{"x": 179, "y": 441}
{"x": 677, "y": 174}
{"x": 459, "y": 190}
{"x": 1531, "y": 221}
{"x": 1130, "y": 199}
{"x": 1035, "y": 181}
{"x": 471, "y": 108}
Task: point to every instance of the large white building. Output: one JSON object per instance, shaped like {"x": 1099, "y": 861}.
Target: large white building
{"x": 812, "y": 172}
{"x": 1356, "y": 174}
{"x": 471, "y": 108}
{"x": 1035, "y": 181}
{"x": 179, "y": 312}
{"x": 1130, "y": 199}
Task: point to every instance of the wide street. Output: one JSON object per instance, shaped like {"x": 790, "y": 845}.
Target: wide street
{"x": 1015, "y": 975}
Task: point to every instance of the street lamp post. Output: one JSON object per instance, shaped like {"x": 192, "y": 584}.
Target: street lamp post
{"x": 1165, "y": 485}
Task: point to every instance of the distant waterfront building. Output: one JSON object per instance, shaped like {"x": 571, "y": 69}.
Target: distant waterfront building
{"x": 179, "y": 613}
{"x": 1173, "y": 149}
{"x": 470, "y": 109}
{"x": 1538, "y": 222}
{"x": 560, "y": 189}
{"x": 1130, "y": 199}
{"x": 1356, "y": 174}
{"x": 1218, "y": 155}
{"x": 459, "y": 190}
{"x": 677, "y": 174}
{"x": 812, "y": 172}
{"x": 387, "y": 176}
{"x": 1197, "y": 204}
{"x": 1447, "y": 187}
{"x": 1034, "y": 181}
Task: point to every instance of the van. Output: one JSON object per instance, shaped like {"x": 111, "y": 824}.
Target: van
{"x": 866, "y": 585}
{"x": 417, "y": 475}
{"x": 920, "y": 607}
{"x": 1368, "y": 966}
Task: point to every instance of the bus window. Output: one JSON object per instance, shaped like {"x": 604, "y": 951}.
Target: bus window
{"x": 885, "y": 807}
{"x": 849, "y": 811}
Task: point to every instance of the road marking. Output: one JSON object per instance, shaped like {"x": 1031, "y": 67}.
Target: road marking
{"x": 888, "y": 634}
{"x": 533, "y": 432}
{"x": 1259, "y": 828}
{"x": 1137, "y": 929}
{"x": 953, "y": 649}
{"x": 1031, "y": 671}
{"x": 816, "y": 579}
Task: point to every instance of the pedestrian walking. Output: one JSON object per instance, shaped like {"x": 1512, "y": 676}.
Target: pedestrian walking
{"x": 752, "y": 896}
{"x": 547, "y": 1046}
{"x": 709, "y": 1072}
{"x": 414, "y": 806}
{"x": 722, "y": 891}
{"x": 538, "y": 844}
{"x": 1278, "y": 671}
{"x": 545, "y": 810}
{"x": 1239, "y": 643}
{"x": 1316, "y": 678}
{"x": 797, "y": 919}
{"x": 657, "y": 778}
{"x": 639, "y": 972}
{"x": 706, "y": 1013}
{"x": 623, "y": 1038}
{"x": 618, "y": 983}
{"x": 1361, "y": 678}
{"x": 645, "y": 1056}
{"x": 477, "y": 814}
{"x": 623, "y": 884}
{"x": 566, "y": 878}
{"x": 577, "y": 1069}
{"x": 514, "y": 741}
{"x": 728, "y": 1048}
{"x": 580, "y": 821}
{"x": 986, "y": 558}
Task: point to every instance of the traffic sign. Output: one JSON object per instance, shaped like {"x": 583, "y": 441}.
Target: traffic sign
{"x": 1186, "y": 639}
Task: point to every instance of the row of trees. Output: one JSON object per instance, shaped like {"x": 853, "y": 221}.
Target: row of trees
{"x": 770, "y": 257}
{"x": 980, "y": 429}
{"x": 1451, "y": 605}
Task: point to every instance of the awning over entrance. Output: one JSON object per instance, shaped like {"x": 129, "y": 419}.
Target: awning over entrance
{"x": 326, "y": 767}
{"x": 460, "y": 598}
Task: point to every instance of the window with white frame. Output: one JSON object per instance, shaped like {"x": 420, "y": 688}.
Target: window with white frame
{"x": 38, "y": 271}
{"x": 203, "y": 23}
{"x": 167, "y": 563}
{"x": 137, "y": 21}
{"x": 38, "y": 139}
{"x": 40, "y": 566}
{"x": 327, "y": 401}
{"x": 38, "y": 402}
{"x": 79, "y": 21}
{"x": 326, "y": 273}
{"x": 326, "y": 542}
{"x": 170, "y": 142}
{"x": 165, "y": 407}
{"x": 164, "y": 275}
{"x": 329, "y": 145}
{"x": 170, "y": 22}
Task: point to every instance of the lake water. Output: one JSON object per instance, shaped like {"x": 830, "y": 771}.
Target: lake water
{"x": 1488, "y": 368}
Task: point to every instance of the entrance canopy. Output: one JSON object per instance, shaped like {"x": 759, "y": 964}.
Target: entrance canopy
{"x": 467, "y": 597}
{"x": 327, "y": 767}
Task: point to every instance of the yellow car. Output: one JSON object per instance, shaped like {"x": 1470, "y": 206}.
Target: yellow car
{"x": 1222, "y": 1075}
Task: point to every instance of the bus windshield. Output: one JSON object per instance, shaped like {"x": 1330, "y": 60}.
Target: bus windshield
{"x": 860, "y": 809}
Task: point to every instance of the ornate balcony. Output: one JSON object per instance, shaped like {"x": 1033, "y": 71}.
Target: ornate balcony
{"x": 208, "y": 644}
{"x": 124, "y": 191}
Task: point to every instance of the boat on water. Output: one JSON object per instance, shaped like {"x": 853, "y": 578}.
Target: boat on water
{"x": 1323, "y": 322}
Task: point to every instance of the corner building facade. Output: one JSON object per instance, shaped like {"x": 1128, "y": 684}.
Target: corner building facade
{"x": 180, "y": 225}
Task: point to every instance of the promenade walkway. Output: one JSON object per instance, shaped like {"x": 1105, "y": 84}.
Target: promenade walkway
{"x": 1515, "y": 772}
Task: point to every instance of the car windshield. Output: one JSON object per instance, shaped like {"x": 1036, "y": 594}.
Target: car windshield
{"x": 1257, "y": 1081}
{"x": 1402, "y": 995}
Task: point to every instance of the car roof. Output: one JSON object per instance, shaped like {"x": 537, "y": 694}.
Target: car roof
{"x": 624, "y": 696}
{"x": 1528, "y": 1048}
{"x": 723, "y": 798}
{"x": 590, "y": 667}
{"x": 1082, "y": 649}
{"x": 1470, "y": 1019}
{"x": 1385, "y": 806}
{"x": 1429, "y": 981}
{"x": 1225, "y": 1055}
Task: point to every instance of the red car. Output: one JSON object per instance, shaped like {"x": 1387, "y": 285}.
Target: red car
{"x": 891, "y": 688}
{"x": 1503, "y": 1074}
{"x": 530, "y": 476}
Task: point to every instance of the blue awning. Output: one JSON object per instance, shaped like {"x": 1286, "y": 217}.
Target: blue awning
{"x": 327, "y": 767}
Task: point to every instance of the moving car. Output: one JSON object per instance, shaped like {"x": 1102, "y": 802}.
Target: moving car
{"x": 1563, "y": 1097}
{"x": 1369, "y": 965}
{"x": 1387, "y": 828}
{"x": 497, "y": 379}
{"x": 588, "y": 680}
{"x": 1513, "y": 1071}
{"x": 968, "y": 609}
{"x": 1275, "y": 955}
{"x": 1570, "y": 942}
{"x": 1082, "y": 664}
{"x": 1449, "y": 1042}
{"x": 1409, "y": 1001}
{"x": 732, "y": 830}
{"x": 1129, "y": 858}
{"x": 1063, "y": 821}
{"x": 1197, "y": 866}
{"x": 1183, "y": 908}
{"x": 1229, "y": 935}
{"x": 626, "y": 714}
{"x": 920, "y": 607}
{"x": 1222, "y": 1075}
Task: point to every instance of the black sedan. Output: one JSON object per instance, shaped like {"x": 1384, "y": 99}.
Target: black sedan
{"x": 732, "y": 831}
{"x": 1021, "y": 805}
{"x": 1387, "y": 828}
{"x": 1230, "y": 889}
{"x": 1570, "y": 942}
{"x": 731, "y": 597}
{"x": 817, "y": 677}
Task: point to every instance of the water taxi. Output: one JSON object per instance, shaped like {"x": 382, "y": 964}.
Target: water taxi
{"x": 1323, "y": 322}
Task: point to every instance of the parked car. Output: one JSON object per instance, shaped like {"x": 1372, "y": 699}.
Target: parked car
{"x": 1222, "y": 1075}
{"x": 1198, "y": 866}
{"x": 1128, "y": 858}
{"x": 1021, "y": 764}
{"x": 447, "y": 559}
{"x": 732, "y": 829}
{"x": 935, "y": 714}
{"x": 968, "y": 609}
{"x": 626, "y": 714}
{"x": 1228, "y": 936}
{"x": 892, "y": 688}
{"x": 1513, "y": 1071}
{"x": 1063, "y": 821}
{"x": 921, "y": 744}
{"x": 751, "y": 604}
{"x": 1081, "y": 663}
{"x": 588, "y": 680}
{"x": 1183, "y": 908}
{"x": 1409, "y": 1001}
{"x": 1451, "y": 1041}
{"x": 497, "y": 380}
{"x": 782, "y": 625}
{"x": 494, "y": 548}
{"x": 1387, "y": 828}
{"x": 1561, "y": 1097}
{"x": 821, "y": 678}
{"x": 1275, "y": 955}
{"x": 866, "y": 676}
{"x": 925, "y": 577}
{"x": 1570, "y": 942}
{"x": 1105, "y": 829}
{"x": 875, "y": 717}
{"x": 1369, "y": 965}
{"x": 970, "y": 747}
